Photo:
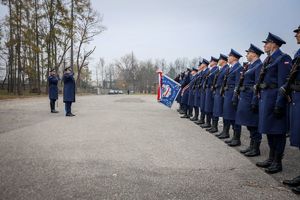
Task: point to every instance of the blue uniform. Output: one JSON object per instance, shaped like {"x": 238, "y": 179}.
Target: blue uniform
{"x": 229, "y": 112}
{"x": 53, "y": 89}
{"x": 69, "y": 87}
{"x": 202, "y": 90}
{"x": 191, "y": 99}
{"x": 244, "y": 114}
{"x": 185, "y": 95}
{"x": 197, "y": 90}
{"x": 295, "y": 110}
{"x": 209, "y": 98}
{"x": 275, "y": 74}
{"x": 218, "y": 99}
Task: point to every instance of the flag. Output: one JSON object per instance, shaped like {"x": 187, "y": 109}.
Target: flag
{"x": 169, "y": 90}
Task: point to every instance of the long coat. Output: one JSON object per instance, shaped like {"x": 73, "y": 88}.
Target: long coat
{"x": 178, "y": 98}
{"x": 218, "y": 99}
{"x": 185, "y": 95}
{"x": 229, "y": 112}
{"x": 276, "y": 73}
{"x": 295, "y": 112}
{"x": 53, "y": 89}
{"x": 191, "y": 100}
{"x": 197, "y": 90}
{"x": 202, "y": 90}
{"x": 69, "y": 87}
{"x": 244, "y": 114}
{"x": 209, "y": 97}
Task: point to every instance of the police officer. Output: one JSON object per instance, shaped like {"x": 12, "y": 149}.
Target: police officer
{"x": 272, "y": 110}
{"x": 209, "y": 98}
{"x": 229, "y": 109}
{"x": 218, "y": 98}
{"x": 185, "y": 94}
{"x": 192, "y": 88}
{"x": 205, "y": 71}
{"x": 247, "y": 111}
{"x": 69, "y": 90}
{"x": 178, "y": 98}
{"x": 197, "y": 102}
{"x": 53, "y": 89}
{"x": 292, "y": 90}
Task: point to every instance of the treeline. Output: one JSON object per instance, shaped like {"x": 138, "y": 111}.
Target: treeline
{"x": 37, "y": 35}
{"x": 130, "y": 73}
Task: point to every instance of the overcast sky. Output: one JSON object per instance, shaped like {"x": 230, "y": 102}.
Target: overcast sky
{"x": 191, "y": 28}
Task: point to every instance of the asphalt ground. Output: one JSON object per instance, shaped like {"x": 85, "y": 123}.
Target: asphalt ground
{"x": 125, "y": 147}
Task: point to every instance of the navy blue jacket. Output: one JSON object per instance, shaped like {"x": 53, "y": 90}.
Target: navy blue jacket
{"x": 276, "y": 73}
{"x": 53, "y": 89}
{"x": 218, "y": 99}
{"x": 229, "y": 112}
{"x": 244, "y": 114}
{"x": 69, "y": 87}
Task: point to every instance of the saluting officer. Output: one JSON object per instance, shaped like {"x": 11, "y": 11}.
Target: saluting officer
{"x": 273, "y": 110}
{"x": 229, "y": 109}
{"x": 205, "y": 64}
{"x": 247, "y": 111}
{"x": 69, "y": 90}
{"x": 209, "y": 98}
{"x": 53, "y": 89}
{"x": 218, "y": 98}
{"x": 292, "y": 90}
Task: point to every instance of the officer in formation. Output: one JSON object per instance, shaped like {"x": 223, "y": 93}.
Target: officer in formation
{"x": 262, "y": 96}
{"x": 53, "y": 89}
{"x": 69, "y": 90}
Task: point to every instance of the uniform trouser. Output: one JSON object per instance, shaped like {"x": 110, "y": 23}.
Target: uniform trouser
{"x": 277, "y": 142}
{"x": 196, "y": 109}
{"x": 254, "y": 134}
{"x": 68, "y": 105}
{"x": 236, "y": 127}
{"x": 52, "y": 104}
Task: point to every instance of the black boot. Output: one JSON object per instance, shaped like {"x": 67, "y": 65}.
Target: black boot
{"x": 225, "y": 133}
{"x": 207, "y": 124}
{"x": 236, "y": 139}
{"x": 200, "y": 121}
{"x": 255, "y": 151}
{"x": 276, "y": 165}
{"x": 195, "y": 118}
{"x": 292, "y": 183}
{"x": 268, "y": 162}
{"x": 185, "y": 116}
{"x": 214, "y": 127}
{"x": 243, "y": 151}
{"x": 222, "y": 132}
{"x": 296, "y": 190}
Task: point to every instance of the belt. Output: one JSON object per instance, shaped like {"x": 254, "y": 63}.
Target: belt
{"x": 227, "y": 87}
{"x": 244, "y": 88}
{"x": 295, "y": 87}
{"x": 268, "y": 86}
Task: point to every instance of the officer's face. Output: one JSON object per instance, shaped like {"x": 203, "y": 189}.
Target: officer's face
{"x": 250, "y": 56}
{"x": 298, "y": 37}
{"x": 267, "y": 47}
{"x": 212, "y": 63}
{"x": 53, "y": 72}
{"x": 231, "y": 59}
